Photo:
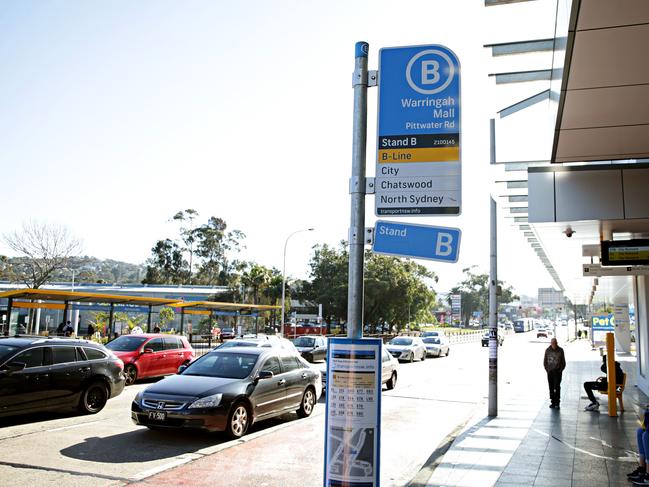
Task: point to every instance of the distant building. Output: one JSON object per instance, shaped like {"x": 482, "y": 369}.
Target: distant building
{"x": 550, "y": 298}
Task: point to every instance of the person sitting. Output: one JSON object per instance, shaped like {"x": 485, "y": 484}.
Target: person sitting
{"x": 601, "y": 384}
{"x": 640, "y": 476}
{"x": 156, "y": 329}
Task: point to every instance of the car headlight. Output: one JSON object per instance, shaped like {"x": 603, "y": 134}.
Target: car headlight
{"x": 207, "y": 402}
{"x": 138, "y": 397}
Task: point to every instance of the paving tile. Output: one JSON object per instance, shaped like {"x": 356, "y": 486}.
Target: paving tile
{"x": 552, "y": 482}
{"x": 517, "y": 479}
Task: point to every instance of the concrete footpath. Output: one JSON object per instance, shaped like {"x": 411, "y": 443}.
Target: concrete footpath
{"x": 529, "y": 444}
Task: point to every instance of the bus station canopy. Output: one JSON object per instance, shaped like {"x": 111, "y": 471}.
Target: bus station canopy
{"x": 53, "y": 299}
{"x": 206, "y": 307}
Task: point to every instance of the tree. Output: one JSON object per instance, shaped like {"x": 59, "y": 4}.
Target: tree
{"x": 215, "y": 245}
{"x": 187, "y": 234}
{"x": 396, "y": 290}
{"x": 166, "y": 265}
{"x": 256, "y": 278}
{"x": 44, "y": 248}
{"x": 166, "y": 315}
{"x": 474, "y": 290}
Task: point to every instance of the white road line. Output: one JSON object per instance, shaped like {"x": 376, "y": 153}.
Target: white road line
{"x": 73, "y": 426}
{"x": 181, "y": 460}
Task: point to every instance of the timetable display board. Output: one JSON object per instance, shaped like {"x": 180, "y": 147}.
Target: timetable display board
{"x": 353, "y": 417}
{"x": 625, "y": 252}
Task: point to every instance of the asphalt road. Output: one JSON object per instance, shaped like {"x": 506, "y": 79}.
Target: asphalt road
{"x": 431, "y": 399}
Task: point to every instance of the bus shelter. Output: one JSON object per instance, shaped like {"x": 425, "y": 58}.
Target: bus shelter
{"x": 66, "y": 300}
{"x": 215, "y": 308}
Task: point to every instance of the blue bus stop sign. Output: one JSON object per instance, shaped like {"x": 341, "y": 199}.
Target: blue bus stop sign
{"x": 417, "y": 241}
{"x": 418, "y": 164}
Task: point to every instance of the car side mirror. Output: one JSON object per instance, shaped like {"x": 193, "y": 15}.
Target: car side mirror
{"x": 15, "y": 367}
{"x": 182, "y": 368}
{"x": 265, "y": 374}
{"x": 147, "y": 350}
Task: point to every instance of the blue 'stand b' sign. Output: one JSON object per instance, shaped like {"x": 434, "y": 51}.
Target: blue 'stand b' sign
{"x": 417, "y": 241}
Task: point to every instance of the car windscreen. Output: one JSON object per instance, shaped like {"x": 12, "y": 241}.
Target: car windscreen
{"x": 225, "y": 365}
{"x": 126, "y": 343}
{"x": 431, "y": 340}
{"x": 237, "y": 343}
{"x": 430, "y": 334}
{"x": 401, "y": 341}
{"x": 304, "y": 342}
{"x": 6, "y": 351}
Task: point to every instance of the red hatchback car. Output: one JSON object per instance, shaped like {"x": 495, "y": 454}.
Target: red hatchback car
{"x": 151, "y": 354}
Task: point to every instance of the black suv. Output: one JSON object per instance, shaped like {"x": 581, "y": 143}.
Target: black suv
{"x": 38, "y": 374}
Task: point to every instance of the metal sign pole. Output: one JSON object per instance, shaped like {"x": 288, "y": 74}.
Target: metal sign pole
{"x": 493, "y": 317}
{"x": 357, "y": 191}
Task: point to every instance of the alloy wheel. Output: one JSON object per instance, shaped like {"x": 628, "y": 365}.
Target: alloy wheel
{"x": 239, "y": 421}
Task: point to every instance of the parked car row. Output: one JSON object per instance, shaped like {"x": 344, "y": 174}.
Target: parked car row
{"x": 234, "y": 385}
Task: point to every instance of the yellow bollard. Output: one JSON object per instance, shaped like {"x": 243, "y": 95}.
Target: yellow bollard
{"x": 610, "y": 367}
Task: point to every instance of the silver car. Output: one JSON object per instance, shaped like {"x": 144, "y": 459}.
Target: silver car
{"x": 408, "y": 349}
{"x": 389, "y": 370}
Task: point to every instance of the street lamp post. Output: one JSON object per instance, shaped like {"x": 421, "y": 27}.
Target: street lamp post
{"x": 284, "y": 273}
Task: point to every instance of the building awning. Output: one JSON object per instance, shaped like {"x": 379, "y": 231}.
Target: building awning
{"x": 603, "y": 111}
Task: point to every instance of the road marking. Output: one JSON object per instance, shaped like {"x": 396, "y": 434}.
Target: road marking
{"x": 73, "y": 426}
{"x": 62, "y": 470}
{"x": 181, "y": 460}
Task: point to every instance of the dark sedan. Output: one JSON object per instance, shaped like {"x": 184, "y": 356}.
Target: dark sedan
{"x": 312, "y": 348}
{"x": 41, "y": 374}
{"x": 229, "y": 390}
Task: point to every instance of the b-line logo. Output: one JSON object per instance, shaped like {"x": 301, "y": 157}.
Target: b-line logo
{"x": 433, "y": 66}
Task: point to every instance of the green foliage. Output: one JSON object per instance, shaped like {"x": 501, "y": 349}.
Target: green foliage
{"x": 209, "y": 248}
{"x": 474, "y": 290}
{"x": 166, "y": 315}
{"x": 396, "y": 290}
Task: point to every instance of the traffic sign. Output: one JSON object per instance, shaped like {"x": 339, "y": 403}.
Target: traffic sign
{"x": 418, "y": 163}
{"x": 418, "y": 241}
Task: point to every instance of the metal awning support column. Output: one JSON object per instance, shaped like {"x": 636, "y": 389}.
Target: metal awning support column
{"x": 148, "y": 321}
{"x": 9, "y": 306}
{"x": 182, "y": 320}
{"x": 65, "y": 313}
{"x": 110, "y": 329}
{"x": 211, "y": 318}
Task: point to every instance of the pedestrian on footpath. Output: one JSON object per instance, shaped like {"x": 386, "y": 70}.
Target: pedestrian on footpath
{"x": 640, "y": 476}
{"x": 601, "y": 384}
{"x": 554, "y": 362}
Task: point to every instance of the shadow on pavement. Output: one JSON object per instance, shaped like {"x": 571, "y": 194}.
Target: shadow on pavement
{"x": 37, "y": 418}
{"x": 144, "y": 445}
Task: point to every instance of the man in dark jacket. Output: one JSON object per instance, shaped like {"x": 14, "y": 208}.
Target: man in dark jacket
{"x": 601, "y": 384}
{"x": 554, "y": 362}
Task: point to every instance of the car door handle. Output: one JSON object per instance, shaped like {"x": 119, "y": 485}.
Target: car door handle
{"x": 84, "y": 369}
{"x": 304, "y": 376}
{"x": 281, "y": 382}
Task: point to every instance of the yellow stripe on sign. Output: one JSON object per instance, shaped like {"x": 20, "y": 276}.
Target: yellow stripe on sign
{"x": 429, "y": 154}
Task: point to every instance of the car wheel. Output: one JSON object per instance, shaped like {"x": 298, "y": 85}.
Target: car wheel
{"x": 423, "y": 356}
{"x": 412, "y": 357}
{"x": 391, "y": 384}
{"x": 238, "y": 421}
{"x": 448, "y": 351}
{"x": 93, "y": 398}
{"x": 307, "y": 404}
{"x": 131, "y": 374}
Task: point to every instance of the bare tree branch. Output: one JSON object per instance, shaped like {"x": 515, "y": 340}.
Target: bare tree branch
{"x": 46, "y": 248}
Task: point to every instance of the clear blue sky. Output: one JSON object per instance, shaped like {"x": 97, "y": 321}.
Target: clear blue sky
{"x": 115, "y": 115}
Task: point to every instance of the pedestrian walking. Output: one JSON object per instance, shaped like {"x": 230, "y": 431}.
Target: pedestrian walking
{"x": 554, "y": 362}
{"x": 91, "y": 330}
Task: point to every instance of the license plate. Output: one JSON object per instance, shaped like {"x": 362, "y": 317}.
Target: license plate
{"x": 158, "y": 415}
